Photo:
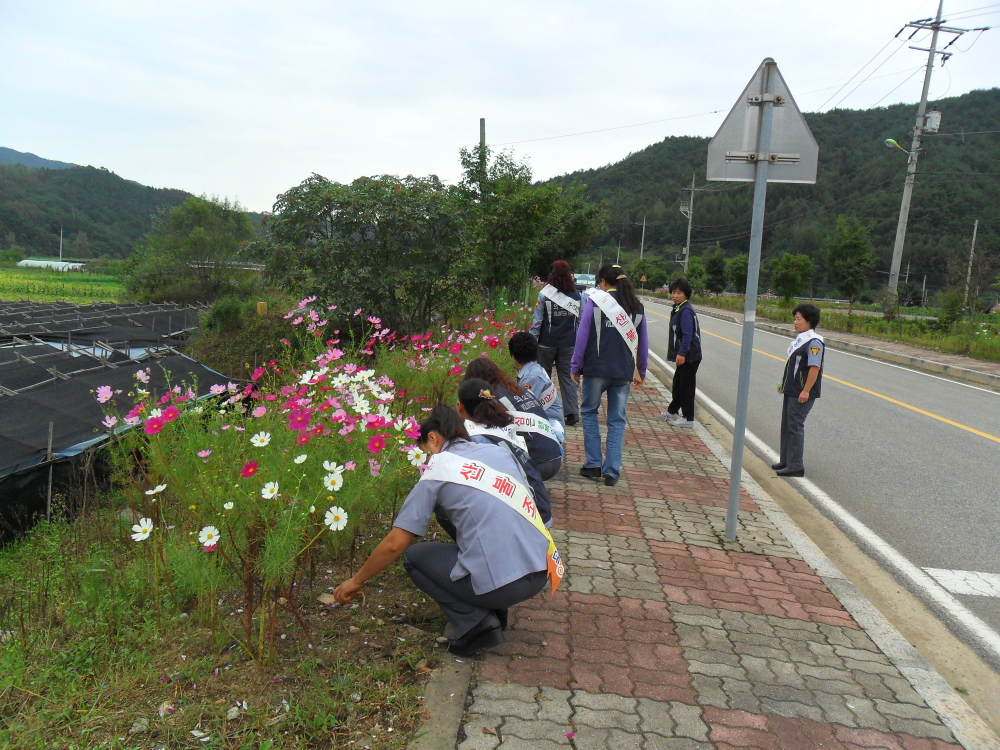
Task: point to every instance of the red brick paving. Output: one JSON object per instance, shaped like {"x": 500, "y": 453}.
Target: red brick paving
{"x": 738, "y": 730}
{"x": 759, "y": 584}
{"x": 595, "y": 512}
{"x": 685, "y": 488}
{"x": 594, "y": 643}
{"x": 666, "y": 439}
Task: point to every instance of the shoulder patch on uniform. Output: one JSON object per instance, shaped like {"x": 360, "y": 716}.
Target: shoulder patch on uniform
{"x": 815, "y": 351}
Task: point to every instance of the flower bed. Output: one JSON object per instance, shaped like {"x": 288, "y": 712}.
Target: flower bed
{"x": 234, "y": 518}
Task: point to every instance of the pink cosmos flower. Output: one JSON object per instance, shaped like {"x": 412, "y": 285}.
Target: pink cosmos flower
{"x": 456, "y": 370}
{"x": 104, "y": 393}
{"x": 260, "y": 411}
{"x": 110, "y": 421}
{"x": 153, "y": 425}
{"x": 302, "y": 439}
{"x": 297, "y": 321}
{"x": 350, "y": 466}
{"x": 170, "y": 414}
{"x": 493, "y": 341}
{"x": 249, "y": 469}
{"x": 286, "y": 342}
{"x": 217, "y": 389}
{"x": 299, "y": 419}
{"x": 455, "y": 348}
{"x": 332, "y": 307}
{"x": 142, "y": 376}
{"x": 258, "y": 373}
{"x": 377, "y": 442}
{"x": 204, "y": 454}
{"x": 132, "y": 421}
{"x": 357, "y": 312}
{"x": 375, "y": 467}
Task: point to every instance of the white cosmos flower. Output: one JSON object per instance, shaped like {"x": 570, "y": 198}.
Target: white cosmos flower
{"x": 156, "y": 413}
{"x": 333, "y": 482}
{"x": 340, "y": 380}
{"x": 261, "y": 439}
{"x": 306, "y": 377}
{"x": 228, "y": 506}
{"x": 157, "y": 489}
{"x": 416, "y": 456}
{"x": 208, "y": 536}
{"x": 383, "y": 411}
{"x": 336, "y": 518}
{"x": 361, "y": 406}
{"x": 300, "y": 458}
{"x": 142, "y": 529}
{"x": 401, "y": 423}
{"x": 333, "y": 467}
{"x": 270, "y": 490}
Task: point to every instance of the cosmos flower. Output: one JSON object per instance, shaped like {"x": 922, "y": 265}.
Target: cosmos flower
{"x": 336, "y": 518}
{"x": 270, "y": 490}
{"x": 333, "y": 482}
{"x": 416, "y": 456}
{"x": 143, "y": 529}
{"x": 208, "y": 536}
{"x": 104, "y": 393}
{"x": 249, "y": 469}
{"x": 157, "y": 489}
{"x": 261, "y": 439}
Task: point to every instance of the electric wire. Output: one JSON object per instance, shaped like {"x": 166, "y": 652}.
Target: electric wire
{"x": 861, "y": 83}
{"x": 896, "y": 87}
{"x": 848, "y": 81}
{"x": 605, "y": 130}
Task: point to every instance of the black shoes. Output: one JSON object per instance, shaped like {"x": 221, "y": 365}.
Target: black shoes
{"x": 778, "y": 466}
{"x": 610, "y": 481}
{"x": 502, "y": 617}
{"x": 785, "y": 472}
{"x": 486, "y": 634}
{"x": 571, "y": 419}
{"x": 591, "y": 472}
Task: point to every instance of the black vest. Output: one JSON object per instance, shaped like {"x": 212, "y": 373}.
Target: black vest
{"x": 558, "y": 324}
{"x": 797, "y": 370}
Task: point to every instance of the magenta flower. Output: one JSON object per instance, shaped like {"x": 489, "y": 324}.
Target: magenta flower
{"x": 104, "y": 393}
{"x": 258, "y": 373}
{"x": 170, "y": 414}
{"x": 153, "y": 425}
{"x": 302, "y": 439}
{"x": 377, "y": 442}
{"x": 299, "y": 419}
{"x": 249, "y": 469}
{"x": 455, "y": 348}
{"x": 456, "y": 370}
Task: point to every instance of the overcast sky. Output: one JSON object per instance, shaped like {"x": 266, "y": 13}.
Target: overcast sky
{"x": 247, "y": 99}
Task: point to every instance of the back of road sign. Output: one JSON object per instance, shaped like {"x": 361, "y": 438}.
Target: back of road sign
{"x": 794, "y": 154}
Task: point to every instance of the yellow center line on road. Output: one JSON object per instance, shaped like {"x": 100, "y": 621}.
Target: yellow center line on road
{"x": 891, "y": 400}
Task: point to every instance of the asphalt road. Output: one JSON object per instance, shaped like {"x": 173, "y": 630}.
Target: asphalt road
{"x": 931, "y": 488}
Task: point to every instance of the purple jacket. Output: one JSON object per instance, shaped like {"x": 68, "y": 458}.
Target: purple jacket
{"x": 607, "y": 362}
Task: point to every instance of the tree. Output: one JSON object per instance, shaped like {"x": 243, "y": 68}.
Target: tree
{"x": 715, "y": 268}
{"x": 695, "y": 274}
{"x": 656, "y": 275}
{"x": 790, "y": 274}
{"x": 849, "y": 257}
{"x": 737, "y": 270}
{"x": 392, "y": 247}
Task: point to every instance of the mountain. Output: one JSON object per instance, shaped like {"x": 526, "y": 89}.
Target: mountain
{"x": 958, "y": 181}
{"x": 10, "y": 156}
{"x": 101, "y": 213}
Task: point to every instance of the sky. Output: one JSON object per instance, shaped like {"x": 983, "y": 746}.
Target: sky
{"x": 245, "y": 100}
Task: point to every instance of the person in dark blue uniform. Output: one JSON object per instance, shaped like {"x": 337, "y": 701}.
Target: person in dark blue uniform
{"x": 683, "y": 349}
{"x": 801, "y": 385}
{"x": 555, "y": 328}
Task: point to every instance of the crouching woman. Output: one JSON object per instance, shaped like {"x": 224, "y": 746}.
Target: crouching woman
{"x": 503, "y": 553}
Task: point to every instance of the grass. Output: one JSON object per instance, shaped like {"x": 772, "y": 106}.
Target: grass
{"x": 107, "y": 642}
{"x": 982, "y": 342}
{"x": 44, "y": 285}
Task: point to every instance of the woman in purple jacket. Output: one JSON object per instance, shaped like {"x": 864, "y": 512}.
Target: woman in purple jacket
{"x": 611, "y": 353}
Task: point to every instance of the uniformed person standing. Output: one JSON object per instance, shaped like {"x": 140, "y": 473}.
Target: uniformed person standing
{"x": 800, "y": 385}
{"x": 556, "y": 319}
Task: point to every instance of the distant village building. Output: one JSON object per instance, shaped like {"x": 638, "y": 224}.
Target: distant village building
{"x": 55, "y": 265}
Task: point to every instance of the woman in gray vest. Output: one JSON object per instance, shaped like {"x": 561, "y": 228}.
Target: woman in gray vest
{"x": 801, "y": 385}
{"x": 498, "y": 560}
{"x": 612, "y": 350}
{"x": 554, "y": 325}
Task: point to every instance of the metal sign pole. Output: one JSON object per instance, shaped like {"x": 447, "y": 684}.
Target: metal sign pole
{"x": 750, "y": 305}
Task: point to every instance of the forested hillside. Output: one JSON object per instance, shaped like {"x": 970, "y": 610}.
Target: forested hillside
{"x": 101, "y": 213}
{"x": 958, "y": 182}
{"x": 10, "y": 156}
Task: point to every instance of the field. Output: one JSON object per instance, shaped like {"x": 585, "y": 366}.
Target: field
{"x": 43, "y": 285}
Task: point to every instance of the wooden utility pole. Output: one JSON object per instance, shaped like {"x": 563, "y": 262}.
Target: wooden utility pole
{"x": 968, "y": 273}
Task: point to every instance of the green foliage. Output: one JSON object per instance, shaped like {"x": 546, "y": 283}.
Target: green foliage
{"x": 12, "y": 254}
{"x": 857, "y": 175}
{"x": 696, "y": 274}
{"x": 951, "y": 309}
{"x": 849, "y": 257}
{"x": 655, "y": 273}
{"x": 47, "y": 285}
{"x": 737, "y": 269}
{"x": 791, "y": 274}
{"x": 101, "y": 213}
{"x": 191, "y": 254}
{"x": 715, "y": 270}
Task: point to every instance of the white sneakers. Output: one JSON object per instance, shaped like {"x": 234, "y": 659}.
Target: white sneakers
{"x": 676, "y": 420}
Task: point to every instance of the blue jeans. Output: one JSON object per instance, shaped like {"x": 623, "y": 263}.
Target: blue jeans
{"x": 617, "y": 389}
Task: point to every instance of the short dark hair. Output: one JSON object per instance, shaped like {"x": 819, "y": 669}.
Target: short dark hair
{"x": 445, "y": 421}
{"x": 683, "y": 284}
{"x": 809, "y": 312}
{"x": 523, "y": 347}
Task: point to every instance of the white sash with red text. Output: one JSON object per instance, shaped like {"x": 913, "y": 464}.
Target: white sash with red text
{"x": 527, "y": 422}
{"x": 448, "y": 467}
{"x": 504, "y": 433}
{"x": 621, "y": 320}
{"x": 563, "y": 300}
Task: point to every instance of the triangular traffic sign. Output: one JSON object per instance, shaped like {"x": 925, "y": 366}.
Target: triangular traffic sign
{"x": 793, "y": 155}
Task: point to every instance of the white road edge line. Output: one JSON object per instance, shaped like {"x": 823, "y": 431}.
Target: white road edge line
{"x": 870, "y": 359}
{"x": 967, "y": 726}
{"x": 961, "y": 617}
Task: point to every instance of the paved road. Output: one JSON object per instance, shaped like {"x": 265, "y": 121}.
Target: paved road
{"x": 929, "y": 487}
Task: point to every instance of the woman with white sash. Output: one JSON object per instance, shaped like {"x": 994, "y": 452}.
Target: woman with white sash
{"x": 554, "y": 326}
{"x": 612, "y": 350}
{"x": 503, "y": 555}
{"x": 530, "y": 423}
{"x": 487, "y": 421}
{"x": 800, "y": 385}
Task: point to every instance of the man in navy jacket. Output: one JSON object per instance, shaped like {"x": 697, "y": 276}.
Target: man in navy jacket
{"x": 684, "y": 349}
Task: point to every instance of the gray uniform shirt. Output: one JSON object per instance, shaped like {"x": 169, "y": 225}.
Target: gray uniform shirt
{"x": 533, "y": 377}
{"x": 495, "y": 544}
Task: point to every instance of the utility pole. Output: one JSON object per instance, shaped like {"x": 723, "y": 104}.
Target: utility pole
{"x": 687, "y": 209}
{"x": 918, "y": 131}
{"x": 968, "y": 273}
{"x": 642, "y": 242}
{"x": 923, "y": 292}
{"x": 60, "y": 242}
{"x": 618, "y": 258}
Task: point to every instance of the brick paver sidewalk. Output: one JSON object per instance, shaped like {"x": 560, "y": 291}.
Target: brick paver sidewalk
{"x": 664, "y": 635}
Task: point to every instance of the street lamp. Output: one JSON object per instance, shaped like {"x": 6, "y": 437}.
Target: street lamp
{"x": 890, "y": 143}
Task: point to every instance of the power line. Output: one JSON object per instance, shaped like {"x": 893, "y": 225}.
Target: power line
{"x": 963, "y": 134}
{"x": 867, "y": 76}
{"x": 917, "y": 70}
{"x": 605, "y": 130}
